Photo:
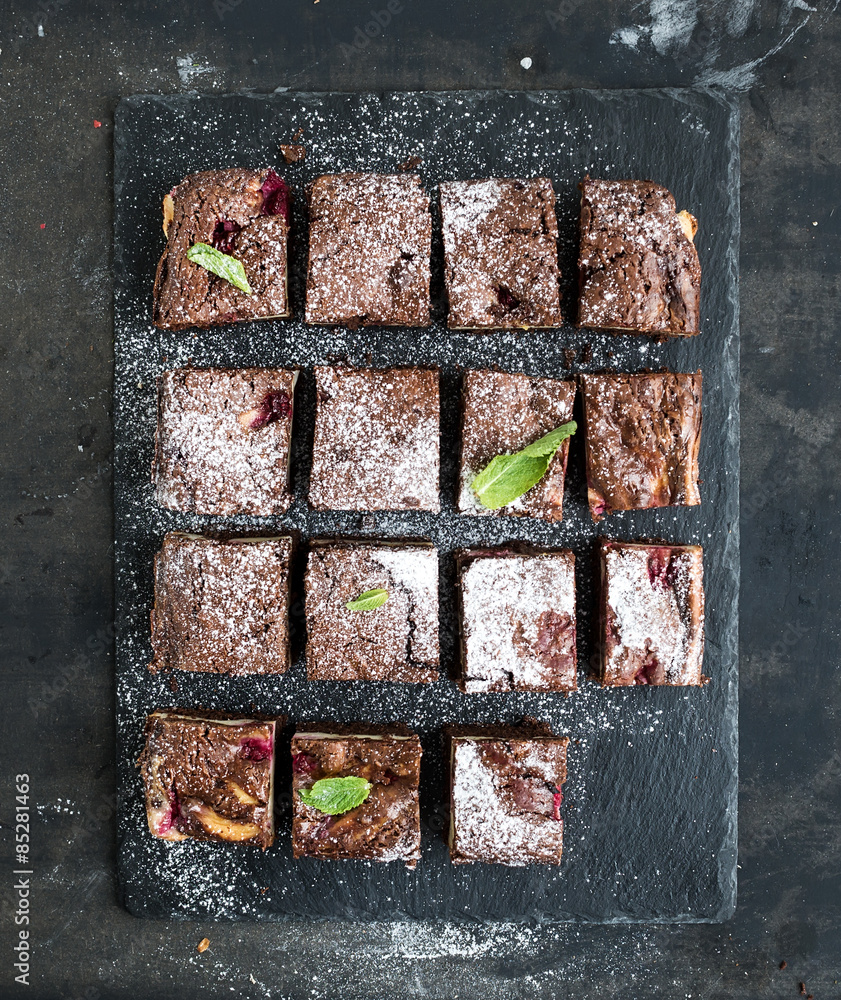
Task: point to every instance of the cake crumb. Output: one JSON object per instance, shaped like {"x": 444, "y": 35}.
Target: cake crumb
{"x": 293, "y": 153}
{"x": 783, "y": 964}
{"x": 203, "y": 945}
{"x": 410, "y": 162}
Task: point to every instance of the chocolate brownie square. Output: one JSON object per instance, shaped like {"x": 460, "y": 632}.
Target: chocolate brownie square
{"x": 501, "y": 253}
{"x": 505, "y": 794}
{"x": 370, "y": 237}
{"x": 241, "y": 213}
{"x": 502, "y": 414}
{"x": 222, "y": 443}
{"x": 397, "y": 641}
{"x": 652, "y": 613}
{"x": 642, "y": 435}
{"x": 638, "y": 268}
{"x": 209, "y": 776}
{"x": 221, "y": 606}
{"x": 376, "y": 439}
{"x": 385, "y": 826}
{"x": 517, "y": 620}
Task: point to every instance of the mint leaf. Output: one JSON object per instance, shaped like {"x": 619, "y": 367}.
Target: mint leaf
{"x": 334, "y": 796}
{"x": 508, "y": 477}
{"x": 369, "y": 601}
{"x": 223, "y": 264}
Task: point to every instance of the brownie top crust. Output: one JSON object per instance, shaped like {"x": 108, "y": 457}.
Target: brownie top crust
{"x": 638, "y": 266}
{"x": 376, "y": 444}
{"x": 642, "y": 437}
{"x": 505, "y": 799}
{"x": 244, "y": 213}
{"x": 518, "y": 621}
{"x": 208, "y": 777}
{"x": 370, "y": 239}
{"x": 653, "y": 613}
{"x": 501, "y": 253}
{"x": 222, "y": 441}
{"x": 501, "y": 414}
{"x": 221, "y": 606}
{"x": 386, "y": 826}
{"x": 395, "y": 642}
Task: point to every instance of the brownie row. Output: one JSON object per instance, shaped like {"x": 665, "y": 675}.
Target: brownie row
{"x": 211, "y": 777}
{"x": 224, "y": 436}
{"x": 222, "y": 607}
{"x": 370, "y": 240}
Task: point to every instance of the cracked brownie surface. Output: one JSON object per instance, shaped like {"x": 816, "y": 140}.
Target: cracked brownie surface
{"x": 501, "y": 414}
{"x": 642, "y": 436}
{"x": 244, "y": 213}
{"x": 652, "y": 614}
{"x": 209, "y": 777}
{"x": 376, "y": 443}
{"x": 221, "y": 606}
{"x": 501, "y": 253}
{"x": 517, "y": 621}
{"x": 638, "y": 268}
{"x": 386, "y": 826}
{"x": 395, "y": 642}
{"x": 369, "y": 248}
{"x": 222, "y": 440}
{"x": 505, "y": 797}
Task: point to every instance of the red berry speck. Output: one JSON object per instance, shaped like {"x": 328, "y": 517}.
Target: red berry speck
{"x": 648, "y": 673}
{"x": 557, "y": 799}
{"x": 275, "y": 405}
{"x": 303, "y": 763}
{"x": 97, "y": 124}
{"x": 253, "y": 748}
{"x": 506, "y": 298}
{"x": 275, "y": 196}
{"x": 43, "y": 225}
{"x": 223, "y": 235}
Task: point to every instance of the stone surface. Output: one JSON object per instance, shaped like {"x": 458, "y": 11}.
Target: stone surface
{"x": 56, "y": 565}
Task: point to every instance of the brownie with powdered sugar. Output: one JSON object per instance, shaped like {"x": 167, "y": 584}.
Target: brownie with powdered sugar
{"x": 239, "y": 212}
{"x": 210, "y": 776}
{"x": 221, "y": 606}
{"x": 501, "y": 253}
{"x": 369, "y": 249}
{"x": 517, "y": 619}
{"x": 506, "y": 794}
{"x": 223, "y": 438}
{"x": 376, "y": 443}
{"x": 397, "y": 641}
{"x": 503, "y": 413}
{"x": 386, "y": 825}
{"x": 642, "y": 437}
{"x": 652, "y": 614}
{"x": 638, "y": 269}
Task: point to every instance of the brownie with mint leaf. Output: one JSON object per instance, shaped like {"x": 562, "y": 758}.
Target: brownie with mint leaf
{"x": 210, "y": 776}
{"x": 225, "y": 258}
{"x": 223, "y": 438}
{"x": 355, "y": 793}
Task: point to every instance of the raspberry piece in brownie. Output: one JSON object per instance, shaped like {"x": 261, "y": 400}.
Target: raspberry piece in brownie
{"x": 243, "y": 213}
{"x": 223, "y": 438}
{"x": 501, "y": 253}
{"x": 652, "y": 614}
{"x": 638, "y": 268}
{"x": 209, "y": 776}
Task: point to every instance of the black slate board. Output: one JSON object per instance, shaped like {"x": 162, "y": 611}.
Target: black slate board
{"x": 650, "y": 805}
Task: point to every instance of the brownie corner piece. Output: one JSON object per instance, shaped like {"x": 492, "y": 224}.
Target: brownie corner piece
{"x": 238, "y": 212}
{"x": 505, "y": 796}
{"x": 223, "y": 440}
{"x": 517, "y": 620}
{"x": 638, "y": 267}
{"x": 500, "y": 253}
{"x": 221, "y": 606}
{"x": 652, "y": 614}
{"x": 369, "y": 250}
{"x": 385, "y": 826}
{"x": 397, "y": 641}
{"x": 376, "y": 443}
{"x": 501, "y": 414}
{"x": 208, "y": 776}
{"x": 642, "y": 439}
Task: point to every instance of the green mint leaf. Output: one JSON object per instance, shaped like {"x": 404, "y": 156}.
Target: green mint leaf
{"x": 369, "y": 601}
{"x": 223, "y": 264}
{"x": 334, "y": 796}
{"x": 508, "y": 477}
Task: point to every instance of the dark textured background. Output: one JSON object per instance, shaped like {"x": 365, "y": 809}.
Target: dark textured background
{"x": 55, "y": 558}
